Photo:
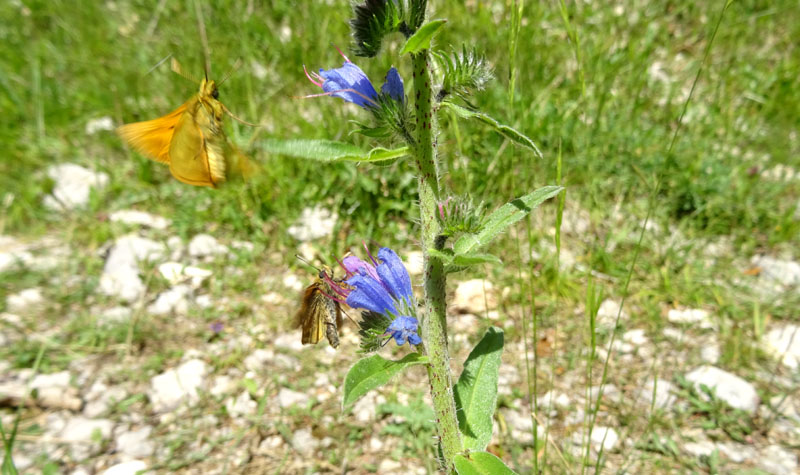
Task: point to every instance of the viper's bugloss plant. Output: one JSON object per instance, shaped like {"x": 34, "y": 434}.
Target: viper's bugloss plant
{"x": 454, "y": 234}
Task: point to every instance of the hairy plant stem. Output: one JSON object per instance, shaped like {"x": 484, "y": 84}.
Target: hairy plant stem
{"x": 434, "y": 323}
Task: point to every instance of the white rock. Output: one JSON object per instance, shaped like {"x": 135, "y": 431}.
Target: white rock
{"x": 73, "y": 184}
{"x": 203, "y": 245}
{"x": 737, "y": 453}
{"x": 114, "y": 316}
{"x": 710, "y": 353}
{"x": 259, "y": 70}
{"x": 474, "y": 296}
{"x": 244, "y": 246}
{"x": 53, "y": 380}
{"x": 604, "y": 437}
{"x": 203, "y": 301}
{"x": 637, "y": 337}
{"x": 175, "y": 386}
{"x": 136, "y": 443}
{"x": 222, "y": 385}
{"x": 100, "y": 124}
{"x": 132, "y": 467}
{"x": 778, "y": 270}
{"x": 414, "y": 263}
{"x": 174, "y": 300}
{"x": 313, "y": 223}
{"x": 690, "y": 316}
{"x": 730, "y": 388}
{"x": 139, "y": 218}
{"x": 241, "y": 406}
{"x": 293, "y": 282}
{"x": 289, "y": 341}
{"x": 703, "y": 448}
{"x": 388, "y": 465}
{"x": 273, "y": 298}
{"x": 175, "y": 273}
{"x": 288, "y": 398}
{"x": 121, "y": 271}
{"x": 13, "y": 253}
{"x": 664, "y": 396}
{"x": 100, "y": 399}
{"x": 270, "y": 444}
{"x": 607, "y": 313}
{"x": 784, "y": 343}
{"x": 364, "y": 409}
{"x": 86, "y": 434}
{"x": 304, "y": 442}
{"x": 26, "y": 301}
{"x": 259, "y": 360}
{"x": 776, "y": 460}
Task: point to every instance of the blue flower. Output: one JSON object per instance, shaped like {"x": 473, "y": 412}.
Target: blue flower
{"x": 383, "y": 286}
{"x": 404, "y": 328}
{"x": 351, "y": 84}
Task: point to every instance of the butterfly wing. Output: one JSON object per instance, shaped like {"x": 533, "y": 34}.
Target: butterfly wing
{"x": 312, "y": 314}
{"x": 189, "y": 161}
{"x": 152, "y": 138}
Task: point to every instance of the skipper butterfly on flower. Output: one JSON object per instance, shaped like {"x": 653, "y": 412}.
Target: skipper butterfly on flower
{"x": 319, "y": 315}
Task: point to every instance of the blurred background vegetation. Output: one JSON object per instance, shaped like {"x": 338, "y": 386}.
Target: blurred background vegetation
{"x": 612, "y": 112}
{"x": 608, "y": 104}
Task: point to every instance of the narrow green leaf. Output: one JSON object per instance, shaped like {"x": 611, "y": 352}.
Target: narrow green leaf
{"x": 446, "y": 255}
{"x": 474, "y": 259}
{"x": 506, "y": 131}
{"x": 329, "y": 150}
{"x": 481, "y": 463}
{"x": 502, "y": 218}
{"x": 373, "y": 371}
{"x": 421, "y": 40}
{"x": 476, "y": 390}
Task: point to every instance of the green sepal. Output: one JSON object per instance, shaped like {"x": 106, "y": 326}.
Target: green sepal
{"x": 374, "y": 19}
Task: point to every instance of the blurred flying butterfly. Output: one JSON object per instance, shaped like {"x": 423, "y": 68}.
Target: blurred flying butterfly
{"x": 190, "y": 139}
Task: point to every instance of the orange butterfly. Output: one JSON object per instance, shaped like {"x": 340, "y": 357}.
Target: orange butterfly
{"x": 191, "y": 140}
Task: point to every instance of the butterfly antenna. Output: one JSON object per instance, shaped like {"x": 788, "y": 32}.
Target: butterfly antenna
{"x": 177, "y": 69}
{"x": 234, "y": 68}
{"x": 228, "y": 111}
{"x": 201, "y": 27}
{"x": 158, "y": 64}
{"x": 305, "y": 261}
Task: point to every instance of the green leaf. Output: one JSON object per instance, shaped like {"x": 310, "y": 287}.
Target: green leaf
{"x": 421, "y": 40}
{"x": 467, "y": 260}
{"x": 502, "y": 218}
{"x": 476, "y": 390}
{"x": 480, "y": 463}
{"x": 506, "y": 131}
{"x": 329, "y": 150}
{"x": 446, "y": 255}
{"x": 373, "y": 371}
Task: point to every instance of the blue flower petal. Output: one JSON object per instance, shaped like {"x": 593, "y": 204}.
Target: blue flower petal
{"x": 404, "y": 328}
{"x": 394, "y": 275}
{"x": 349, "y": 76}
{"x": 354, "y": 265}
{"x": 394, "y": 85}
{"x": 369, "y": 294}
